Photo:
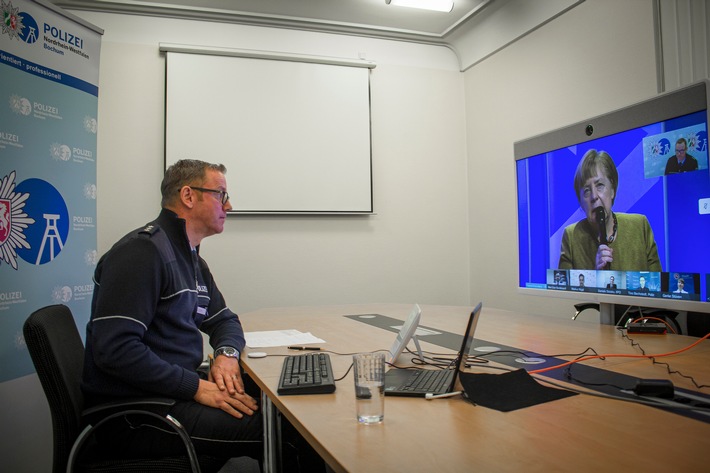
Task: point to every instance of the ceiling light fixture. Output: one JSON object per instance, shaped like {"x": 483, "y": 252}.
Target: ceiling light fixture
{"x": 436, "y": 5}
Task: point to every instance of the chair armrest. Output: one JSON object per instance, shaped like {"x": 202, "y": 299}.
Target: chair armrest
{"x": 114, "y": 406}
{"x": 204, "y": 369}
{"x": 118, "y": 409}
{"x": 584, "y": 306}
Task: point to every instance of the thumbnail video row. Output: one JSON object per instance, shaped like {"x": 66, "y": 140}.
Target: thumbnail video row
{"x": 669, "y": 285}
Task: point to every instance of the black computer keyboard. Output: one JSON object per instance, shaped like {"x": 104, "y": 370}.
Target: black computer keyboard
{"x": 306, "y": 374}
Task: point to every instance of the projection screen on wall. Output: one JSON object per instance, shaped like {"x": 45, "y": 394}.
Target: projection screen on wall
{"x": 293, "y": 132}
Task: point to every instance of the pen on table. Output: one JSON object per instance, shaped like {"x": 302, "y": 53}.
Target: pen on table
{"x": 304, "y": 348}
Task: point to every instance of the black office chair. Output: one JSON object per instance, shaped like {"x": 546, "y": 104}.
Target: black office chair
{"x": 57, "y": 352}
{"x": 584, "y": 306}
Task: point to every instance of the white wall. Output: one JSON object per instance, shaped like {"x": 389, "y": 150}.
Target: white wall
{"x": 686, "y": 45}
{"x": 590, "y": 60}
{"x": 414, "y": 250}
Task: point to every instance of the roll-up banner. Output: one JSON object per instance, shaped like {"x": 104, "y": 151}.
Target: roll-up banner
{"x": 49, "y": 76}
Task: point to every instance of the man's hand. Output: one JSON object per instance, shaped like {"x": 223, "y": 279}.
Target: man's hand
{"x": 236, "y": 404}
{"x": 226, "y": 374}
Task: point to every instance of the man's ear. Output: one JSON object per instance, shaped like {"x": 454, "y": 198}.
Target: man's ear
{"x": 187, "y": 196}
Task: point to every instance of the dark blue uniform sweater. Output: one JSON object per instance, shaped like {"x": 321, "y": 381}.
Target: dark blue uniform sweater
{"x": 152, "y": 299}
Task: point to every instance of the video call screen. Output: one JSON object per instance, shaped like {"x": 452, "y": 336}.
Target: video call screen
{"x": 677, "y": 206}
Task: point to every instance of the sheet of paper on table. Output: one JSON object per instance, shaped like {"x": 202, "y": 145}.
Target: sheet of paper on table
{"x": 279, "y": 338}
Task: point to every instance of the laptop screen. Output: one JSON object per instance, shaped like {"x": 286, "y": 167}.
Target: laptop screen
{"x": 426, "y": 382}
{"x": 466, "y": 343}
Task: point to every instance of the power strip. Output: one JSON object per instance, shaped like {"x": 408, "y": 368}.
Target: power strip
{"x": 649, "y": 327}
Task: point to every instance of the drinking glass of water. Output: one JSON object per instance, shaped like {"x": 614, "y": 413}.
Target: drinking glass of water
{"x": 369, "y": 369}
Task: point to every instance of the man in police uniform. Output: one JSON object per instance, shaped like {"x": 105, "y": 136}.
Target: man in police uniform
{"x": 681, "y": 161}
{"x": 153, "y": 298}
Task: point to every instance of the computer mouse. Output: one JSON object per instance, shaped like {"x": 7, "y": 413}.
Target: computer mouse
{"x": 256, "y": 354}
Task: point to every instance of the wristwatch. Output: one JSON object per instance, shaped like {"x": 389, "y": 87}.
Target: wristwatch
{"x": 230, "y": 352}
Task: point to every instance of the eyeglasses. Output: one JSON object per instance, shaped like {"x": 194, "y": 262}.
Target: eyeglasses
{"x": 223, "y": 195}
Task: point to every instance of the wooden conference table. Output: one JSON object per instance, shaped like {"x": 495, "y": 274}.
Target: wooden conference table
{"x": 578, "y": 433}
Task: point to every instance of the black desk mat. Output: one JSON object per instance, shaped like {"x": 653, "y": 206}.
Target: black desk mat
{"x": 589, "y": 377}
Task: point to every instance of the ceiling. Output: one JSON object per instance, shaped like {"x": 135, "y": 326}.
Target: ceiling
{"x": 361, "y": 17}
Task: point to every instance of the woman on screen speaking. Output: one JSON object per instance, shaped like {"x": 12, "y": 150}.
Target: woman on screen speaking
{"x": 605, "y": 239}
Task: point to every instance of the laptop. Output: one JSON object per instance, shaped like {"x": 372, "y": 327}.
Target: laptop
{"x": 420, "y": 382}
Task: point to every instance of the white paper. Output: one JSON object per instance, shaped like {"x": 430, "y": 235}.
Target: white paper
{"x": 279, "y": 338}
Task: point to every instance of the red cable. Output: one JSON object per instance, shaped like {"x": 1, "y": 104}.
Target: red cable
{"x": 593, "y": 357}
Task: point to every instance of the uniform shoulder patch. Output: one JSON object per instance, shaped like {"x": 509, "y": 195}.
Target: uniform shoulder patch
{"x": 150, "y": 229}
{"x": 160, "y": 240}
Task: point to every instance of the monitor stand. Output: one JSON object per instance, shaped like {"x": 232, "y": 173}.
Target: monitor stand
{"x": 606, "y": 313}
{"x": 419, "y": 348}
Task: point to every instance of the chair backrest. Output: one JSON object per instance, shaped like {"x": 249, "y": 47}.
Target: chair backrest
{"x": 57, "y": 352}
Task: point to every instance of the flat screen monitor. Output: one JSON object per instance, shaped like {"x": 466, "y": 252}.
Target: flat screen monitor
{"x": 616, "y": 208}
{"x": 405, "y": 334}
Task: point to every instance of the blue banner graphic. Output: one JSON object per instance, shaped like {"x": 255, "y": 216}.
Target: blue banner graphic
{"x": 48, "y": 108}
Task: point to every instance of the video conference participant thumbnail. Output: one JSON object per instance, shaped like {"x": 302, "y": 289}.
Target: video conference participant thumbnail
{"x": 681, "y": 161}
{"x": 582, "y": 280}
{"x": 682, "y": 285}
{"x": 610, "y": 280}
{"x": 557, "y": 279}
{"x": 643, "y": 282}
{"x": 604, "y": 239}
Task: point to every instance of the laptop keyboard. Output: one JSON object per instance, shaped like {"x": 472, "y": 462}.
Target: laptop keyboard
{"x": 429, "y": 381}
{"x": 306, "y": 374}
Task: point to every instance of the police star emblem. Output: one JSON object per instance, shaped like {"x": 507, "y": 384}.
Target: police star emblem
{"x": 13, "y": 220}
{"x": 11, "y": 21}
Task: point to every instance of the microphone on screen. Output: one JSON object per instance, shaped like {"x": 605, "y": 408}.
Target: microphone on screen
{"x": 600, "y": 216}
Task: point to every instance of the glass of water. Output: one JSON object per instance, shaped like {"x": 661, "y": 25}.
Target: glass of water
{"x": 369, "y": 369}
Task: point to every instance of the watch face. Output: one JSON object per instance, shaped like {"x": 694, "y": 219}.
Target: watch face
{"x": 227, "y": 351}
